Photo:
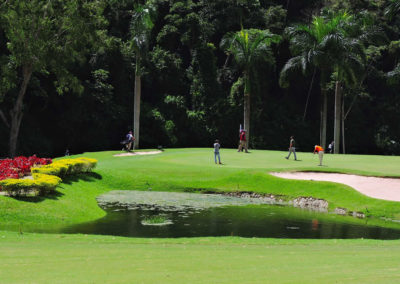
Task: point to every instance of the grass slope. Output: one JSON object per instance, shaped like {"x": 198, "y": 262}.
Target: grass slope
{"x": 194, "y": 169}
{"x": 37, "y": 258}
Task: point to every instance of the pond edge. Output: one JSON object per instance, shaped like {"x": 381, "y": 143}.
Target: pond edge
{"x": 303, "y": 202}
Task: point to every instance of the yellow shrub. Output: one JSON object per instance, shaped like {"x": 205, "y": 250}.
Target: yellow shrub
{"x": 47, "y": 177}
{"x": 90, "y": 164}
{"x": 67, "y": 167}
{"x": 46, "y": 183}
{"x": 40, "y": 184}
{"x": 54, "y": 169}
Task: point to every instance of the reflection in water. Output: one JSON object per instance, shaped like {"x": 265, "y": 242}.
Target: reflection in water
{"x": 258, "y": 221}
{"x": 314, "y": 223}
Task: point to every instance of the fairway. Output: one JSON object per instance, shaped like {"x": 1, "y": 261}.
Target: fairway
{"x": 33, "y": 258}
{"x": 45, "y": 258}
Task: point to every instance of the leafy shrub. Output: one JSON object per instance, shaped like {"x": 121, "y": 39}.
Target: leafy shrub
{"x": 46, "y": 177}
{"x": 90, "y": 164}
{"x": 65, "y": 167}
{"x": 54, "y": 169}
{"x": 41, "y": 184}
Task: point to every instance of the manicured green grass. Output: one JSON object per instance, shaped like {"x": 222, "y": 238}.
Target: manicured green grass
{"x": 41, "y": 258}
{"x": 194, "y": 169}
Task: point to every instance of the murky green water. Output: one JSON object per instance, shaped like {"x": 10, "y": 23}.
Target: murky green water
{"x": 171, "y": 215}
{"x": 260, "y": 221}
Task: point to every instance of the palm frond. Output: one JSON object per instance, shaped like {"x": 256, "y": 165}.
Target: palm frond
{"x": 226, "y": 41}
{"x": 292, "y": 66}
{"x": 392, "y": 9}
{"x": 249, "y": 46}
{"x": 393, "y": 76}
{"x": 140, "y": 27}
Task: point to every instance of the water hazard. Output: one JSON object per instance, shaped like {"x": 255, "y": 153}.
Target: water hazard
{"x": 166, "y": 215}
{"x": 172, "y": 215}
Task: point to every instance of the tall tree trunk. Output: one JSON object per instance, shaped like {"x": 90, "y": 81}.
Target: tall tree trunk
{"x": 247, "y": 117}
{"x": 136, "y": 102}
{"x": 343, "y": 119}
{"x": 17, "y": 112}
{"x": 287, "y": 11}
{"x": 324, "y": 111}
{"x": 309, "y": 93}
{"x": 136, "y": 110}
{"x": 324, "y": 117}
{"x": 338, "y": 116}
{"x": 246, "y": 109}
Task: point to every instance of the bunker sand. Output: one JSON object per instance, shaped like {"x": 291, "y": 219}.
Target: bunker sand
{"x": 381, "y": 188}
{"x": 137, "y": 153}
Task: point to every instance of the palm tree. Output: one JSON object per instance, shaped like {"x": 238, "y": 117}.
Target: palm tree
{"x": 349, "y": 67}
{"x": 394, "y": 75}
{"x": 141, "y": 25}
{"x": 351, "y": 60}
{"x": 392, "y": 9}
{"x": 314, "y": 48}
{"x": 249, "y": 47}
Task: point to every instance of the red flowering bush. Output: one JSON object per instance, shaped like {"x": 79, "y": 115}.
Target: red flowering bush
{"x": 20, "y": 166}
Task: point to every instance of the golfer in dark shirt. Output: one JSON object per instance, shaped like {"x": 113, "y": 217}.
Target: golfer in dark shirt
{"x": 292, "y": 148}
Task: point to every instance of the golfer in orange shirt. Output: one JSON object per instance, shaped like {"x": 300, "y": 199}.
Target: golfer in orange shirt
{"x": 320, "y": 152}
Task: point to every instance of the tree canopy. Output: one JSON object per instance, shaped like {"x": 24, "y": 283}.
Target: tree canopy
{"x": 67, "y": 73}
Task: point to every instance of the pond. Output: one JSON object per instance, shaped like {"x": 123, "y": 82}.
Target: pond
{"x": 171, "y": 215}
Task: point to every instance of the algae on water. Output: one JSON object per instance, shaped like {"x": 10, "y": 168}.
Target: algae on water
{"x": 158, "y": 220}
{"x": 171, "y": 201}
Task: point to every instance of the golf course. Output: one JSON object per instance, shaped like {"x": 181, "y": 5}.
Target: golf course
{"x": 201, "y": 141}
{"x": 32, "y": 257}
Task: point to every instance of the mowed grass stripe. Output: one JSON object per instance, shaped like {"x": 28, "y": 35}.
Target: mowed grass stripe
{"x": 104, "y": 259}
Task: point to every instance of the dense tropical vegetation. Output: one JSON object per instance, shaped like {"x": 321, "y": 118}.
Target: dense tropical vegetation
{"x": 73, "y": 75}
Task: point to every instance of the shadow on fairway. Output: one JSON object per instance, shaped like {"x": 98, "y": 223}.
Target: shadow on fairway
{"x": 89, "y": 177}
{"x": 35, "y": 199}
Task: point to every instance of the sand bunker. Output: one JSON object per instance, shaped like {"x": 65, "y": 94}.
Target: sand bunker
{"x": 137, "y": 153}
{"x": 381, "y": 188}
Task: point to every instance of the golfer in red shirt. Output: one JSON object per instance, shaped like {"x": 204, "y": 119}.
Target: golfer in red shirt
{"x": 242, "y": 141}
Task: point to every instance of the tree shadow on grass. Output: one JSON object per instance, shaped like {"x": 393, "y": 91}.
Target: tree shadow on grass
{"x": 89, "y": 177}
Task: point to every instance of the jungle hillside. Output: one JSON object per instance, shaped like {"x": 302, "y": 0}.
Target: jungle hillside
{"x": 79, "y": 76}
